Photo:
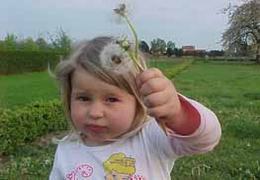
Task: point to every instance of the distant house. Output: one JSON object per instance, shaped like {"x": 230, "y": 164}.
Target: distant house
{"x": 192, "y": 51}
{"x": 188, "y": 49}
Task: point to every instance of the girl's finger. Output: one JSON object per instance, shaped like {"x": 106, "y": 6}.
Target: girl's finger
{"x": 160, "y": 112}
{"x": 156, "y": 99}
{"x": 153, "y": 85}
{"x": 149, "y": 74}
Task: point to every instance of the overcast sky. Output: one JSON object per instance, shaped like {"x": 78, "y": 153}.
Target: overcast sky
{"x": 186, "y": 22}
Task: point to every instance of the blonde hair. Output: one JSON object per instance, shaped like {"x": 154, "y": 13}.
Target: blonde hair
{"x": 87, "y": 56}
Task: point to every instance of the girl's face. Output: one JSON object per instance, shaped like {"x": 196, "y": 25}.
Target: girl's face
{"x": 99, "y": 110}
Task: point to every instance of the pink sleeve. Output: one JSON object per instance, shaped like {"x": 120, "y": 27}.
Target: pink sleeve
{"x": 204, "y": 139}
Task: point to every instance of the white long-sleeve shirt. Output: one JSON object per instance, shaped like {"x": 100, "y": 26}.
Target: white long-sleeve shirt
{"x": 149, "y": 154}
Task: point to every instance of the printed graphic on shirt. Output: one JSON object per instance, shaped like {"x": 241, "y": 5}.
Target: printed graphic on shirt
{"x": 119, "y": 166}
{"x": 82, "y": 171}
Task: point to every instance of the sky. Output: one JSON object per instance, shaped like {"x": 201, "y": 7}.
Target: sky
{"x": 185, "y": 22}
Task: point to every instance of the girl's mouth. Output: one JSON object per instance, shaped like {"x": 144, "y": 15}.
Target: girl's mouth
{"x": 96, "y": 128}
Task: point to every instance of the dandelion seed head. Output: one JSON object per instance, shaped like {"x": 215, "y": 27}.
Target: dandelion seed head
{"x": 121, "y": 10}
{"x": 114, "y": 58}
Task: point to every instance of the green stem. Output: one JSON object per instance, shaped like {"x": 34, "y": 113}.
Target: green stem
{"x": 136, "y": 62}
{"x": 135, "y": 36}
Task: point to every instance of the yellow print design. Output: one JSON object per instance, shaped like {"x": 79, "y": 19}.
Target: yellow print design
{"x": 119, "y": 164}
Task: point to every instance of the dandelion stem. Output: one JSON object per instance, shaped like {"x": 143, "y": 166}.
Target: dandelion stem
{"x": 135, "y": 56}
{"x": 134, "y": 34}
{"x": 135, "y": 59}
{"x": 136, "y": 62}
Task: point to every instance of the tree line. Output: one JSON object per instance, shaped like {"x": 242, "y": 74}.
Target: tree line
{"x": 62, "y": 43}
{"x": 59, "y": 42}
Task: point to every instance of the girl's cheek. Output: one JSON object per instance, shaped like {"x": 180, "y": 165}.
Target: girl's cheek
{"x": 75, "y": 111}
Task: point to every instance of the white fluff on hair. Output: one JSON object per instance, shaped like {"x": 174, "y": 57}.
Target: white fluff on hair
{"x": 111, "y": 51}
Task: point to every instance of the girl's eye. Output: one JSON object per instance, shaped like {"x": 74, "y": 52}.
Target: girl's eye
{"x": 83, "y": 98}
{"x": 112, "y": 99}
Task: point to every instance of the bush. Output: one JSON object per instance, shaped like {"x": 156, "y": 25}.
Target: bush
{"x": 24, "y": 125}
{"x": 12, "y": 62}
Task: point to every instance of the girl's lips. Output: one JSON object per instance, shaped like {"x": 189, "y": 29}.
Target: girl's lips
{"x": 96, "y": 128}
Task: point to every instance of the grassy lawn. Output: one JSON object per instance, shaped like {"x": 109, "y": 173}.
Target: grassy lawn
{"x": 17, "y": 90}
{"x": 232, "y": 91}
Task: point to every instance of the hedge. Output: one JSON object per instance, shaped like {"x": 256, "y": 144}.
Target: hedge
{"x": 24, "y": 125}
{"x": 13, "y": 62}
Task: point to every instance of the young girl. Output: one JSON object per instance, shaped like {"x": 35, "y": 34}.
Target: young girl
{"x": 116, "y": 112}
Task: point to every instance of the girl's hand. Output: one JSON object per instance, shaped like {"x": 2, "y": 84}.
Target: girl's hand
{"x": 159, "y": 94}
{"x": 162, "y": 101}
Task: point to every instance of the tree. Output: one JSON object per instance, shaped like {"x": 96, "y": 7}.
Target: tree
{"x": 158, "y": 46}
{"x": 170, "y": 48}
{"x": 144, "y": 47}
{"x": 243, "y": 33}
{"x": 10, "y": 42}
{"x": 28, "y": 45}
{"x": 61, "y": 42}
{"x": 178, "y": 52}
{"x": 2, "y": 45}
{"x": 42, "y": 44}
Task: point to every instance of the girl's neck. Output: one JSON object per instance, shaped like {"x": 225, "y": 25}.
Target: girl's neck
{"x": 85, "y": 140}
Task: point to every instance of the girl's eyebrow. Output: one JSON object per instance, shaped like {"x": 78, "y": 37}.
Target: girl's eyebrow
{"x": 113, "y": 94}
{"x": 79, "y": 93}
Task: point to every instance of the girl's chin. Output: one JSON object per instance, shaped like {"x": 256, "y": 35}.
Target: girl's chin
{"x": 95, "y": 141}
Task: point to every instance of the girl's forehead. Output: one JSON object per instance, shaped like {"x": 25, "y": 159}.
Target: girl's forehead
{"x": 84, "y": 81}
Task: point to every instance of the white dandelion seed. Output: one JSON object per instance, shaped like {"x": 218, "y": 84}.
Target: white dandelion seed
{"x": 116, "y": 59}
{"x": 121, "y": 10}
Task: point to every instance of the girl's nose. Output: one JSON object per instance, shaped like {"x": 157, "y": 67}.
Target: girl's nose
{"x": 96, "y": 111}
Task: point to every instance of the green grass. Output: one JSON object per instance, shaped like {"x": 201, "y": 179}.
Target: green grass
{"x": 232, "y": 91}
{"x": 17, "y": 90}
{"x": 31, "y": 162}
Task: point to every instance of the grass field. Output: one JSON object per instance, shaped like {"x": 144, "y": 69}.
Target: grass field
{"x": 17, "y": 90}
{"x": 232, "y": 91}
